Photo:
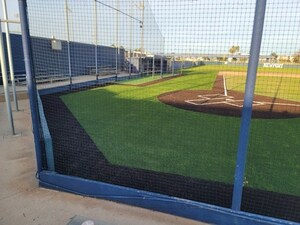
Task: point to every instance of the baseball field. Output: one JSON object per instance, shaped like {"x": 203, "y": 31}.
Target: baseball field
{"x": 140, "y": 123}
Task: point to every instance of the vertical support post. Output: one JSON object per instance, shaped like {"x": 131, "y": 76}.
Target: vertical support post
{"x": 117, "y": 37}
{"x": 147, "y": 67}
{"x": 5, "y": 84}
{"x": 130, "y": 63}
{"x": 248, "y": 100}
{"x": 173, "y": 66}
{"x": 142, "y": 36}
{"x": 161, "y": 66}
{"x": 96, "y": 37}
{"x": 153, "y": 66}
{"x": 141, "y": 65}
{"x": 9, "y": 54}
{"x": 130, "y": 47}
{"x": 181, "y": 65}
{"x": 30, "y": 81}
{"x": 224, "y": 85}
{"x": 142, "y": 25}
{"x": 68, "y": 41}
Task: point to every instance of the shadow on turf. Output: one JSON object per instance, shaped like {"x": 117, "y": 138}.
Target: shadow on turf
{"x": 76, "y": 154}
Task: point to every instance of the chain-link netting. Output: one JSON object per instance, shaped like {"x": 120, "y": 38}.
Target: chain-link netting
{"x": 149, "y": 95}
{"x": 273, "y": 153}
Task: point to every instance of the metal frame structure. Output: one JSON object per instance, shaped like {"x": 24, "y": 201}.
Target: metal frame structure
{"x": 248, "y": 100}
{"x": 5, "y": 84}
{"x": 181, "y": 207}
{"x": 32, "y": 90}
{"x": 9, "y": 54}
{"x": 4, "y": 71}
{"x": 68, "y": 41}
{"x": 96, "y": 37}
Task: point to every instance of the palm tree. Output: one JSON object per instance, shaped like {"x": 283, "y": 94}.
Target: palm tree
{"x": 297, "y": 57}
{"x": 234, "y": 49}
{"x": 274, "y": 56}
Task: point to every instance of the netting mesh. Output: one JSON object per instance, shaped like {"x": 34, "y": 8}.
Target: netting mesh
{"x": 149, "y": 95}
{"x": 273, "y": 157}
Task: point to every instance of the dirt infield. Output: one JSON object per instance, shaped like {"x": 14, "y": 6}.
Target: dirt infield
{"x": 217, "y": 101}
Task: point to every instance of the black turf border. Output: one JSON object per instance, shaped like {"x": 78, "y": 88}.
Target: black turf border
{"x": 76, "y": 154}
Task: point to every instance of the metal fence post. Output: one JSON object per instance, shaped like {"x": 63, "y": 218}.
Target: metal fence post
{"x": 161, "y": 66}
{"x": 248, "y": 99}
{"x": 5, "y": 84}
{"x": 96, "y": 37}
{"x": 117, "y": 38}
{"x": 9, "y": 54}
{"x": 181, "y": 65}
{"x": 68, "y": 42}
{"x": 153, "y": 65}
{"x": 173, "y": 66}
{"x": 32, "y": 92}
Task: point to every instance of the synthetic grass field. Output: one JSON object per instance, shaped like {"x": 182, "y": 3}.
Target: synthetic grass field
{"x": 144, "y": 79}
{"x": 282, "y": 87}
{"x": 132, "y": 128}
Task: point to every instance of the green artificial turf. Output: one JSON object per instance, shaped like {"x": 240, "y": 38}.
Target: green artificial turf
{"x": 132, "y": 128}
{"x": 239, "y": 68}
{"x": 145, "y": 79}
{"x": 282, "y": 87}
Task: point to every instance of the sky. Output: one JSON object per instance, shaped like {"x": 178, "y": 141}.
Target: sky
{"x": 13, "y": 14}
{"x": 179, "y": 26}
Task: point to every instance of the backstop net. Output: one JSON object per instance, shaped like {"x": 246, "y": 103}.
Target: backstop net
{"x": 150, "y": 95}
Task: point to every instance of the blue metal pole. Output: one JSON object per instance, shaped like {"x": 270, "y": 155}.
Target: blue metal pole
{"x": 248, "y": 100}
{"x": 32, "y": 92}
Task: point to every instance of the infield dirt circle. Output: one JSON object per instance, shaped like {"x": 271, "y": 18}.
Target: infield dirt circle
{"x": 230, "y": 103}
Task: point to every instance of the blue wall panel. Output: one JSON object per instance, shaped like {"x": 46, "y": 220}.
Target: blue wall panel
{"x": 17, "y": 52}
{"x": 48, "y": 61}
{"x": 163, "y": 203}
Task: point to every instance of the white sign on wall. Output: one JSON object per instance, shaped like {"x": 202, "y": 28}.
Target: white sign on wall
{"x": 56, "y": 44}
{"x": 273, "y": 65}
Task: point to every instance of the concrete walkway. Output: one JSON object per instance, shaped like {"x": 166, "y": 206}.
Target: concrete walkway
{"x": 22, "y": 202}
{"x": 75, "y": 80}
